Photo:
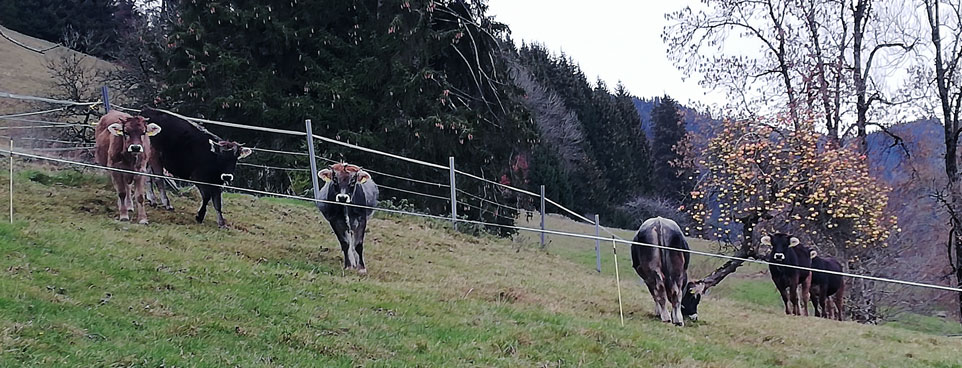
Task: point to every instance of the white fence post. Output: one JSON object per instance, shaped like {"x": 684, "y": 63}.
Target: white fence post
{"x": 597, "y": 243}
{"x": 11, "y": 180}
{"x": 105, "y": 95}
{"x": 542, "y": 217}
{"x": 310, "y": 153}
{"x": 454, "y": 194}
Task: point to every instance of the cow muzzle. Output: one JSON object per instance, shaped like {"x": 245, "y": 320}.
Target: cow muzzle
{"x": 226, "y": 178}
{"x": 135, "y": 148}
{"x": 778, "y": 256}
{"x": 342, "y": 198}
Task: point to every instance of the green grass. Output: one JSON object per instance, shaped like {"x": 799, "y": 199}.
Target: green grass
{"x": 269, "y": 292}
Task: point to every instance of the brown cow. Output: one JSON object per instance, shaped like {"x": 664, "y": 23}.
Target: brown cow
{"x": 664, "y": 271}
{"x": 123, "y": 143}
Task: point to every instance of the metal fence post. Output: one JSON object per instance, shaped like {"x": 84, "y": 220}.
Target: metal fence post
{"x": 597, "y": 243}
{"x": 454, "y": 194}
{"x": 11, "y": 180}
{"x": 542, "y": 216}
{"x": 310, "y": 152}
{"x": 105, "y": 94}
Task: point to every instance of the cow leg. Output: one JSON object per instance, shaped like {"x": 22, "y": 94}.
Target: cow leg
{"x": 784, "y": 292}
{"x": 840, "y": 302}
{"x": 806, "y": 285}
{"x": 656, "y": 287}
{"x": 341, "y": 231}
{"x": 139, "y": 197}
{"x": 359, "y": 245}
{"x": 123, "y": 191}
{"x": 793, "y": 297}
{"x": 205, "y": 197}
{"x": 157, "y": 169}
{"x": 674, "y": 297}
{"x": 216, "y": 199}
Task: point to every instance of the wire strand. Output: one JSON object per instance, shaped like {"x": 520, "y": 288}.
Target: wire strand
{"x": 514, "y": 227}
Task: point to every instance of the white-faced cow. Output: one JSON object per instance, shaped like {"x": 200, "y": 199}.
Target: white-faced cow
{"x": 348, "y": 184}
{"x": 787, "y": 250}
{"x": 665, "y": 271}
{"x": 123, "y": 142}
{"x": 188, "y": 151}
{"x": 828, "y": 290}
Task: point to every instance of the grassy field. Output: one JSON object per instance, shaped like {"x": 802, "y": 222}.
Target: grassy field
{"x": 81, "y": 289}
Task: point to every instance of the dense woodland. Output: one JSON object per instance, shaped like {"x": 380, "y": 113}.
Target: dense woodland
{"x": 423, "y": 79}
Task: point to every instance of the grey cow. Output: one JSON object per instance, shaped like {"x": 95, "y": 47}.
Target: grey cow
{"x": 345, "y": 185}
{"x": 664, "y": 271}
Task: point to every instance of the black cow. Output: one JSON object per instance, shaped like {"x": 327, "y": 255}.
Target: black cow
{"x": 826, "y": 287}
{"x": 665, "y": 271}
{"x": 348, "y": 184}
{"x": 188, "y": 151}
{"x": 787, "y": 250}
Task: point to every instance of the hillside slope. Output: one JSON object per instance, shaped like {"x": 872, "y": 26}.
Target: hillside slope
{"x": 81, "y": 289}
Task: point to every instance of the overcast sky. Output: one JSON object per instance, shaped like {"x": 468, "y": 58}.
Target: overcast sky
{"x": 616, "y": 40}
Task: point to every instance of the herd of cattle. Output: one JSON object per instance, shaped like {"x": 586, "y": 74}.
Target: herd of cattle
{"x": 164, "y": 144}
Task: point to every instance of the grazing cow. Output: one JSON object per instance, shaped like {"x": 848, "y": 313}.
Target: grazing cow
{"x": 348, "y": 184}
{"x": 690, "y": 299}
{"x": 665, "y": 271}
{"x": 123, "y": 142}
{"x": 789, "y": 281}
{"x": 826, "y": 287}
{"x": 188, "y": 151}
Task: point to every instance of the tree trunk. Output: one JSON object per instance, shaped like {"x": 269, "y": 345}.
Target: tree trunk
{"x": 744, "y": 251}
{"x": 861, "y": 104}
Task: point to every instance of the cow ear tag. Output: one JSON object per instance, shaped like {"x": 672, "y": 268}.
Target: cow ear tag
{"x": 363, "y": 177}
{"x": 153, "y": 129}
{"x": 325, "y": 174}
{"x": 794, "y": 242}
{"x": 766, "y": 240}
{"x": 116, "y": 129}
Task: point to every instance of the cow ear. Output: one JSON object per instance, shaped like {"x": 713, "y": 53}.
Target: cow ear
{"x": 116, "y": 129}
{"x": 813, "y": 254}
{"x": 153, "y": 129}
{"x": 363, "y": 176}
{"x": 766, "y": 240}
{"x": 794, "y": 242}
{"x": 325, "y": 174}
{"x": 245, "y": 152}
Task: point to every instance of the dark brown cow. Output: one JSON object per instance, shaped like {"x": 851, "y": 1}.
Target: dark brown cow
{"x": 123, "y": 142}
{"x": 789, "y": 281}
{"x": 828, "y": 290}
{"x": 665, "y": 271}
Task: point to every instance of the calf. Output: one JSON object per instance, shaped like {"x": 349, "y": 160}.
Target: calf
{"x": 787, "y": 250}
{"x": 826, "y": 287}
{"x": 123, "y": 142}
{"x": 188, "y": 151}
{"x": 348, "y": 184}
{"x": 665, "y": 271}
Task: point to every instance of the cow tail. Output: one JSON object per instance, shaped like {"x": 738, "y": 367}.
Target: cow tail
{"x": 665, "y": 255}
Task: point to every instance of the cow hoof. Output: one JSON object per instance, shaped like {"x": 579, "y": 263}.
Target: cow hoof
{"x": 679, "y": 324}
{"x": 362, "y": 271}
{"x": 124, "y": 219}
{"x": 144, "y": 222}
{"x": 200, "y": 220}
{"x": 169, "y": 208}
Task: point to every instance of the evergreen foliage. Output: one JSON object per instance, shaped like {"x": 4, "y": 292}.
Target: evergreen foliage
{"x": 675, "y": 181}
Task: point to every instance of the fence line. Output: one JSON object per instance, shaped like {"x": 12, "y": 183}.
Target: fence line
{"x": 514, "y": 227}
{"x": 272, "y": 167}
{"x": 31, "y": 113}
{"x": 47, "y": 100}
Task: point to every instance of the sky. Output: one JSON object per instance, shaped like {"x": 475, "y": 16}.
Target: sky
{"x": 616, "y": 40}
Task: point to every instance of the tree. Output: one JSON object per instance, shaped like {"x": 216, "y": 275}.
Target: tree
{"x": 89, "y": 26}
{"x": 761, "y": 175}
{"x": 668, "y": 139}
{"x": 423, "y": 79}
{"x": 945, "y": 74}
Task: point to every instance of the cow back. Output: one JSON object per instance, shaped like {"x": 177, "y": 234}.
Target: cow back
{"x": 663, "y": 232}
{"x": 184, "y": 148}
{"x": 831, "y": 282}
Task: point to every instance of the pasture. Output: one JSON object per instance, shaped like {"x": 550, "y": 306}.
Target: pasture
{"x": 81, "y": 289}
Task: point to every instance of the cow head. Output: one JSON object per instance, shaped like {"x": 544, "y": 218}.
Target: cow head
{"x": 691, "y": 298}
{"x": 344, "y": 179}
{"x": 226, "y": 154}
{"x": 780, "y": 244}
{"x": 133, "y": 130}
